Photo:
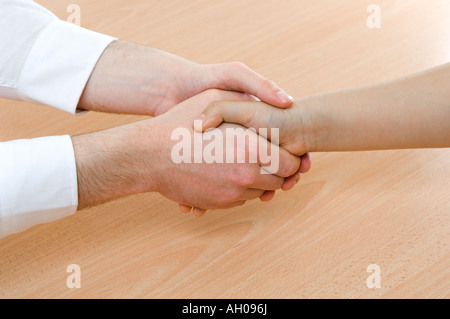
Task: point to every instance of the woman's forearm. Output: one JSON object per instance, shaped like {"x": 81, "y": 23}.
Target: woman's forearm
{"x": 410, "y": 112}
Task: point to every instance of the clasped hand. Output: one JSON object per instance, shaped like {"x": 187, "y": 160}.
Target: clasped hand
{"x": 136, "y": 158}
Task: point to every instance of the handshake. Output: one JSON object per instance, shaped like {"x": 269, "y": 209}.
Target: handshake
{"x": 222, "y": 168}
{"x": 224, "y": 135}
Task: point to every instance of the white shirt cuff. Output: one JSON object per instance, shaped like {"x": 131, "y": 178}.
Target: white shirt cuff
{"x": 38, "y": 182}
{"x": 60, "y": 64}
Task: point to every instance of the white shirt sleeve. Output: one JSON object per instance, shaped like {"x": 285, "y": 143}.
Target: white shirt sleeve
{"x": 48, "y": 61}
{"x": 38, "y": 182}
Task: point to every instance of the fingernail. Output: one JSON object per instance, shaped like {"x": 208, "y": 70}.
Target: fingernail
{"x": 297, "y": 178}
{"x": 284, "y": 97}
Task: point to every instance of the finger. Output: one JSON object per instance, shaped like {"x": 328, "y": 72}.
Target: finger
{"x": 252, "y": 193}
{"x": 198, "y": 212}
{"x": 271, "y": 158}
{"x": 306, "y": 162}
{"x": 238, "y": 77}
{"x": 290, "y": 182}
{"x": 184, "y": 208}
{"x": 305, "y": 165}
{"x": 250, "y": 114}
{"x": 280, "y": 162}
{"x": 234, "y": 96}
{"x": 232, "y": 205}
{"x": 267, "y": 196}
{"x": 267, "y": 182}
{"x": 237, "y": 204}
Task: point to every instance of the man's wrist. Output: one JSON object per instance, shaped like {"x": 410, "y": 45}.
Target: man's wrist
{"x": 93, "y": 97}
{"x": 113, "y": 163}
{"x": 121, "y": 81}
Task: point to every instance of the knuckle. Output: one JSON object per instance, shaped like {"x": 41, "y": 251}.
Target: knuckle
{"x": 246, "y": 179}
{"x": 239, "y": 65}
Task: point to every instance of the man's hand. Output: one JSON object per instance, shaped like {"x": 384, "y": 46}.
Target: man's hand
{"x": 136, "y": 158}
{"x": 136, "y": 79}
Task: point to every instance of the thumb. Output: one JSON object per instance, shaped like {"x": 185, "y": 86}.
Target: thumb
{"x": 236, "y": 76}
{"x": 248, "y": 114}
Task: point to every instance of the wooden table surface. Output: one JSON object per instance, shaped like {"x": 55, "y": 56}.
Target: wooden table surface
{"x": 352, "y": 210}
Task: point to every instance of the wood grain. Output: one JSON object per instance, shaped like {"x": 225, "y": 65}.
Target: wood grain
{"x": 353, "y": 209}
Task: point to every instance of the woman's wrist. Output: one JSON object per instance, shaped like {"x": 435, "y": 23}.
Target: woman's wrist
{"x": 312, "y": 126}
